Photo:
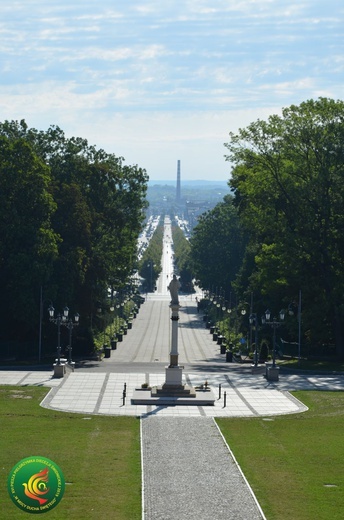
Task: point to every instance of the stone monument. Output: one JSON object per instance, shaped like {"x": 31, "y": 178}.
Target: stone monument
{"x": 173, "y": 385}
{"x": 173, "y": 391}
{"x": 174, "y": 305}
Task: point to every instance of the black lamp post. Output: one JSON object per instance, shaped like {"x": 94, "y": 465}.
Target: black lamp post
{"x": 274, "y": 324}
{"x": 62, "y": 319}
{"x": 70, "y": 325}
{"x": 253, "y": 319}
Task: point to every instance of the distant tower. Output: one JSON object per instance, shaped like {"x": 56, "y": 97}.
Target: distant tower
{"x": 178, "y": 182}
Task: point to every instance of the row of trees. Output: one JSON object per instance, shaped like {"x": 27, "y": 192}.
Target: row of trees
{"x": 150, "y": 263}
{"x": 218, "y": 245}
{"x": 70, "y": 216}
{"x": 283, "y": 232}
{"x": 182, "y": 250}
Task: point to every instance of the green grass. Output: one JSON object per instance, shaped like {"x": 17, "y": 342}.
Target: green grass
{"x": 294, "y": 463}
{"x": 99, "y": 456}
{"x": 312, "y": 364}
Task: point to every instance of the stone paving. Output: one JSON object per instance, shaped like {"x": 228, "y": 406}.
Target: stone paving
{"x": 102, "y": 393}
{"x": 190, "y": 473}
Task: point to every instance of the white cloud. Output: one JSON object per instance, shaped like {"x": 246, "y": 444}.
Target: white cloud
{"x": 146, "y": 9}
{"x": 161, "y": 81}
{"x": 108, "y": 14}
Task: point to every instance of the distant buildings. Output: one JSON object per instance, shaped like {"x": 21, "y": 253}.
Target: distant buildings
{"x": 186, "y": 199}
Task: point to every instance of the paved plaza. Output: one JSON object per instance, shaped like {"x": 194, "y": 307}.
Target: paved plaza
{"x": 97, "y": 387}
{"x": 102, "y": 393}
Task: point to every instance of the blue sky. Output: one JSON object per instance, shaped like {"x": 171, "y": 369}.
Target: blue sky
{"x": 156, "y": 81}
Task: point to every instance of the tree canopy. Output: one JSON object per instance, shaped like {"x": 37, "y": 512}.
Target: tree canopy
{"x": 182, "y": 248}
{"x": 217, "y": 247}
{"x": 150, "y": 263}
{"x": 70, "y": 216}
{"x": 288, "y": 182}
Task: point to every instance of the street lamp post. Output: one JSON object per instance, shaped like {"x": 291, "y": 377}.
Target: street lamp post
{"x": 272, "y": 374}
{"x": 274, "y": 324}
{"x": 253, "y": 319}
{"x": 62, "y": 319}
{"x": 70, "y": 325}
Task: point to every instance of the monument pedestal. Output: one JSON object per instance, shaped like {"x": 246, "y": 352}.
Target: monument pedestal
{"x": 173, "y": 376}
{"x": 173, "y": 386}
{"x": 176, "y": 392}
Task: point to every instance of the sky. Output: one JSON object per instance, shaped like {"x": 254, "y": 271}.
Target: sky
{"x": 157, "y": 81}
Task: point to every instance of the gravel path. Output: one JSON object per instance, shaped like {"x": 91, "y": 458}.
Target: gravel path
{"x": 189, "y": 473}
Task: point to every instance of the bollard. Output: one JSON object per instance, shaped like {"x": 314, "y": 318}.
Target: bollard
{"x": 224, "y": 399}
{"x": 220, "y": 391}
{"x": 124, "y": 393}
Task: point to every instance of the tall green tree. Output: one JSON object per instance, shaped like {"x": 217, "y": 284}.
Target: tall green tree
{"x": 182, "y": 251}
{"x": 150, "y": 263}
{"x": 28, "y": 243}
{"x": 289, "y": 190}
{"x": 97, "y": 213}
{"x": 217, "y": 247}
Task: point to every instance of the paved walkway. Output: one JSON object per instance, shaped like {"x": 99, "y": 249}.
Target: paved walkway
{"x": 102, "y": 393}
{"x": 189, "y": 473}
{"x": 97, "y": 387}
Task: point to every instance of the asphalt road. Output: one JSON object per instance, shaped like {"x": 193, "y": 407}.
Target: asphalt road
{"x": 146, "y": 347}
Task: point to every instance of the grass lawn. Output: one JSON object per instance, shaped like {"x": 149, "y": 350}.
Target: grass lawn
{"x": 99, "y": 456}
{"x": 312, "y": 364}
{"x": 294, "y": 463}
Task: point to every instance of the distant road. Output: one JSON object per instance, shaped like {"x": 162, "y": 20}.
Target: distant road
{"x": 149, "y": 341}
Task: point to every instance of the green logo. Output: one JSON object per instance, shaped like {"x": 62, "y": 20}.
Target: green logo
{"x": 36, "y": 485}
